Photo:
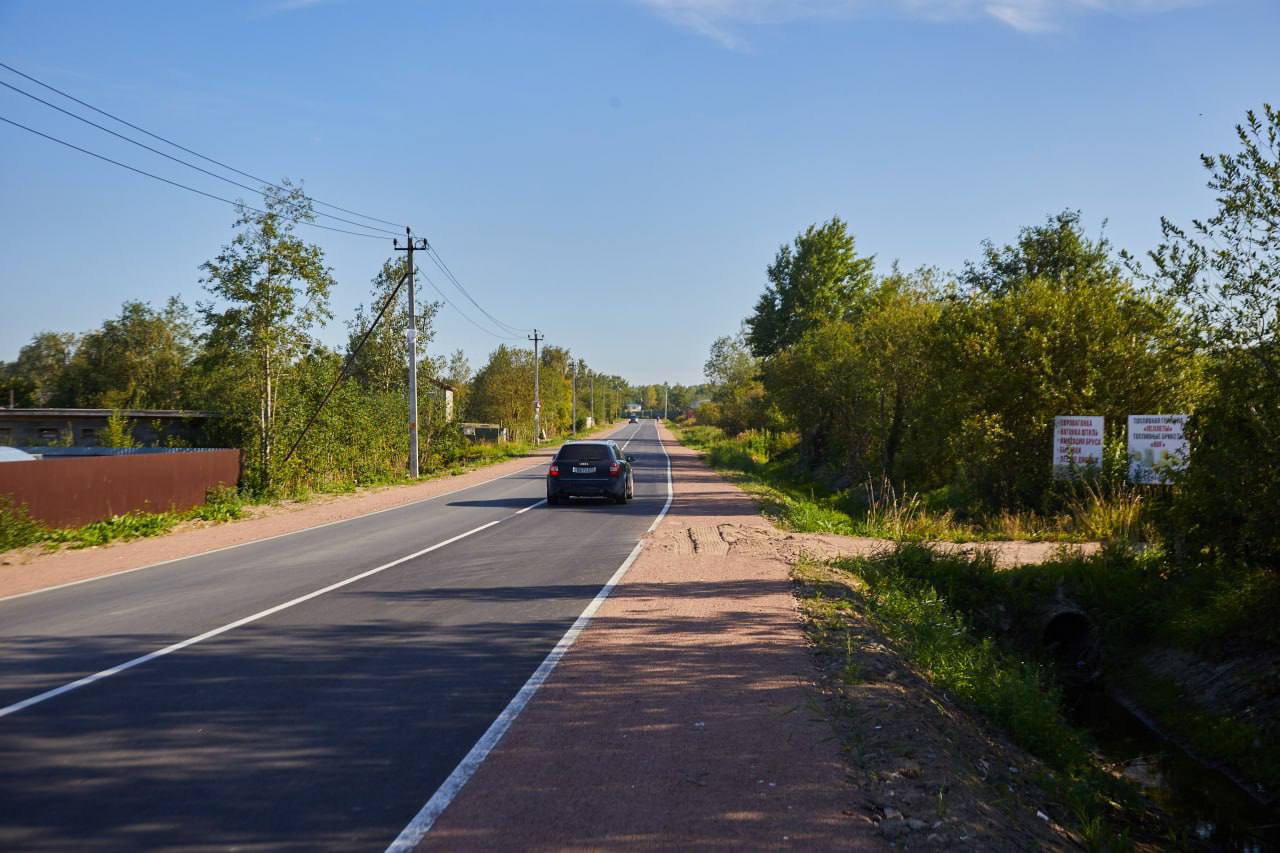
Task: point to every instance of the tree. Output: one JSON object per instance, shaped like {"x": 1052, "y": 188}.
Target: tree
{"x": 383, "y": 363}
{"x": 855, "y": 389}
{"x": 820, "y": 279}
{"x": 139, "y": 359}
{"x": 1225, "y": 271}
{"x": 37, "y": 376}
{"x": 1056, "y": 252}
{"x": 458, "y": 374}
{"x": 270, "y": 289}
{"x": 1050, "y": 326}
{"x": 737, "y": 392}
{"x": 502, "y": 391}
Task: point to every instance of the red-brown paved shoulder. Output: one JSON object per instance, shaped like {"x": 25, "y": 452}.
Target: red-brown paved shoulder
{"x": 683, "y": 716}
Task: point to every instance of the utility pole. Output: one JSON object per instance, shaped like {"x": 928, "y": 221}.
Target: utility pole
{"x": 537, "y": 401}
{"x": 575, "y": 398}
{"x": 411, "y": 338}
{"x": 592, "y": 376}
{"x": 665, "y": 392}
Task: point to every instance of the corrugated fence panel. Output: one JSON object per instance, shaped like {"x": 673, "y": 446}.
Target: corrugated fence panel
{"x": 77, "y": 490}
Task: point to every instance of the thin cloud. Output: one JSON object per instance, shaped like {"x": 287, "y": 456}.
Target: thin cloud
{"x": 721, "y": 20}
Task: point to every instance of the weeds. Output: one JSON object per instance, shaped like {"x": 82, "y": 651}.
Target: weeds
{"x": 17, "y": 528}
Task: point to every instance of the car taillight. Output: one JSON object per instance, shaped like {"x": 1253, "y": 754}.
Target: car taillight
{"x": 555, "y": 470}
{"x": 614, "y": 468}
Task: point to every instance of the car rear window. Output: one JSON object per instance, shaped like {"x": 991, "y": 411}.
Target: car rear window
{"x": 584, "y": 453}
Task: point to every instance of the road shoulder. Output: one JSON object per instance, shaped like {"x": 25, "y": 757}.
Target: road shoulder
{"x": 685, "y": 716}
{"x": 33, "y": 569}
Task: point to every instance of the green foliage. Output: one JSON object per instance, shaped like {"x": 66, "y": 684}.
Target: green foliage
{"x": 133, "y": 525}
{"x": 955, "y": 387}
{"x": 137, "y": 360}
{"x": 119, "y": 431}
{"x": 821, "y": 278}
{"x": 37, "y": 377}
{"x": 1225, "y": 271}
{"x": 17, "y": 528}
{"x": 769, "y": 467}
{"x": 738, "y": 402}
{"x": 382, "y": 364}
{"x": 269, "y": 288}
{"x": 1013, "y": 693}
{"x": 222, "y": 503}
{"x": 1137, "y": 601}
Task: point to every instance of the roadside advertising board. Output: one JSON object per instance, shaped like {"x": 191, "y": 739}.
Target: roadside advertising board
{"x": 1157, "y": 447}
{"x": 1077, "y": 442}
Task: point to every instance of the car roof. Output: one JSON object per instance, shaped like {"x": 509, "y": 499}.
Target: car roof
{"x": 589, "y": 441}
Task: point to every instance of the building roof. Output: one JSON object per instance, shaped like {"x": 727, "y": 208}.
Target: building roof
{"x": 13, "y": 454}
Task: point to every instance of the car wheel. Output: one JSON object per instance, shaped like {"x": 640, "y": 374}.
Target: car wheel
{"x": 553, "y": 500}
{"x": 621, "y": 497}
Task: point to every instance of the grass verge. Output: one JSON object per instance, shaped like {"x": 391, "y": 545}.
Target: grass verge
{"x": 764, "y": 465}
{"x": 1012, "y": 692}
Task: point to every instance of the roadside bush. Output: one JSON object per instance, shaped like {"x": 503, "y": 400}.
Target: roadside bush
{"x": 17, "y": 528}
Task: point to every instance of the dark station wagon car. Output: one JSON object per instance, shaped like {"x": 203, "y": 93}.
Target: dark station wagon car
{"x": 590, "y": 469}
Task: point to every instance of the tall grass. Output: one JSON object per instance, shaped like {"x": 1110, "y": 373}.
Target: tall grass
{"x": 796, "y": 499}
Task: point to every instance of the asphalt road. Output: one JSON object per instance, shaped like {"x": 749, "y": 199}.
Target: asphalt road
{"x": 323, "y": 724}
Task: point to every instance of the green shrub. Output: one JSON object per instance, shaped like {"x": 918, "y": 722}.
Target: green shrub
{"x": 17, "y": 528}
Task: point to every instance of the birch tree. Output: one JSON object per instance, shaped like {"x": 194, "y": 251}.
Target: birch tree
{"x": 270, "y": 288}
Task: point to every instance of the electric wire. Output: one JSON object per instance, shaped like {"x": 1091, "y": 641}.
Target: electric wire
{"x": 237, "y": 204}
{"x": 179, "y": 159}
{"x": 439, "y": 262}
{"x": 204, "y": 157}
{"x": 432, "y": 253}
{"x": 464, "y": 314}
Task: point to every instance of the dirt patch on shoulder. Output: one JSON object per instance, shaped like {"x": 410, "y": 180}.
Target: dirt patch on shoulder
{"x": 760, "y": 539}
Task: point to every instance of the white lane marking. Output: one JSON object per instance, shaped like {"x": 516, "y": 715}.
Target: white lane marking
{"x": 230, "y": 626}
{"x": 671, "y": 492}
{"x": 269, "y": 538}
{"x": 470, "y": 763}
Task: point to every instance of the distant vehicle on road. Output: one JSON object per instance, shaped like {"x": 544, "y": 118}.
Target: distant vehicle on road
{"x": 633, "y": 420}
{"x": 590, "y": 469}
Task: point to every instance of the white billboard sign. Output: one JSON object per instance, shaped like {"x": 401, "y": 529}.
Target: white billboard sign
{"x": 1157, "y": 447}
{"x": 1077, "y": 443}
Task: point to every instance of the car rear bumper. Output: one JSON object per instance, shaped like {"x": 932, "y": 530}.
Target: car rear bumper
{"x": 592, "y": 488}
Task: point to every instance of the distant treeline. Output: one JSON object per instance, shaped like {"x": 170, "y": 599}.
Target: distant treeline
{"x": 250, "y": 354}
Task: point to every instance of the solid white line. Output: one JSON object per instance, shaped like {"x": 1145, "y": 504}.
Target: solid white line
{"x": 275, "y": 536}
{"x": 230, "y": 626}
{"x": 453, "y": 785}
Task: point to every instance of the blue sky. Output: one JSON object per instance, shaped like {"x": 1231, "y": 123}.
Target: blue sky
{"x": 637, "y": 159}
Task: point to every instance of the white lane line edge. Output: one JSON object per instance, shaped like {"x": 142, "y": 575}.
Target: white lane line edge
{"x": 231, "y": 626}
{"x": 426, "y": 817}
{"x": 274, "y": 536}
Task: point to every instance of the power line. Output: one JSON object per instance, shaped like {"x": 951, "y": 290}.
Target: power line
{"x": 237, "y": 204}
{"x": 206, "y": 158}
{"x": 178, "y": 159}
{"x": 439, "y": 262}
{"x": 464, "y": 314}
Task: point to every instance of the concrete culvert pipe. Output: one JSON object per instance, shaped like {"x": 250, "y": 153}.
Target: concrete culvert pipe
{"x": 1071, "y": 641}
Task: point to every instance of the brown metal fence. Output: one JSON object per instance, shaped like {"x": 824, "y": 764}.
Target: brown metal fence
{"x": 77, "y": 490}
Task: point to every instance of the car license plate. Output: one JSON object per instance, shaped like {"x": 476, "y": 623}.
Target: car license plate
{"x": 587, "y": 470}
